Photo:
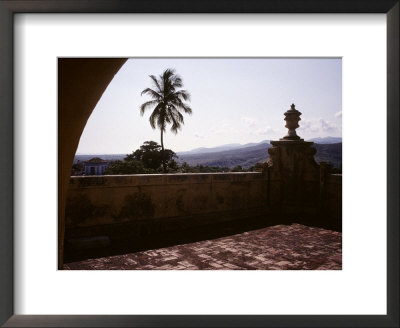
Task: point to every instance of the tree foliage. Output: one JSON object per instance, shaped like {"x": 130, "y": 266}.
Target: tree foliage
{"x": 147, "y": 159}
{"x": 152, "y": 156}
{"x": 167, "y": 103}
{"x": 126, "y": 167}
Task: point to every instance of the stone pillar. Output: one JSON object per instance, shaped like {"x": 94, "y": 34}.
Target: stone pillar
{"x": 293, "y": 174}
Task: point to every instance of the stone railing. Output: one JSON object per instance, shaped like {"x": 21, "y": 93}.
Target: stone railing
{"x": 146, "y": 211}
{"x": 134, "y": 212}
{"x": 95, "y": 200}
{"x": 104, "y": 200}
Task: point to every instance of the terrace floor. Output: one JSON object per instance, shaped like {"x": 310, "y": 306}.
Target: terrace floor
{"x": 280, "y": 247}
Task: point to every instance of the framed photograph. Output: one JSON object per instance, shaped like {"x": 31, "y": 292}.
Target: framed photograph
{"x": 313, "y": 52}
{"x": 224, "y": 188}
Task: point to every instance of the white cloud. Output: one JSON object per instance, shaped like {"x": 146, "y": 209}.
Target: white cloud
{"x": 326, "y": 126}
{"x": 267, "y": 131}
{"x": 309, "y": 125}
{"x": 222, "y": 129}
{"x": 249, "y": 122}
{"x": 338, "y": 114}
{"x": 219, "y": 132}
{"x": 318, "y": 127}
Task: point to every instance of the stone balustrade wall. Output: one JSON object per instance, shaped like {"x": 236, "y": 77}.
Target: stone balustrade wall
{"x": 107, "y": 214}
{"x": 135, "y": 212}
{"x": 101, "y": 200}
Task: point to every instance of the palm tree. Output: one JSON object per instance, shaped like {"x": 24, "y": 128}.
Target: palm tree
{"x": 167, "y": 103}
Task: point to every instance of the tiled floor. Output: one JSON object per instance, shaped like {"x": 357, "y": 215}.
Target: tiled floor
{"x": 280, "y": 247}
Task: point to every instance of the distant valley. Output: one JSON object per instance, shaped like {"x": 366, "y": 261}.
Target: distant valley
{"x": 249, "y": 156}
{"x": 203, "y": 150}
{"x": 245, "y": 157}
{"x": 326, "y": 140}
{"x": 329, "y": 149}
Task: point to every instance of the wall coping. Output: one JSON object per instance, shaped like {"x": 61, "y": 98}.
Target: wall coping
{"x": 161, "y": 174}
{"x": 102, "y": 181}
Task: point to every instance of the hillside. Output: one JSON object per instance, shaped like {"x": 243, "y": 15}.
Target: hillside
{"x": 244, "y": 155}
{"x": 326, "y": 140}
{"x": 226, "y": 147}
{"x": 249, "y": 156}
{"x": 329, "y": 153}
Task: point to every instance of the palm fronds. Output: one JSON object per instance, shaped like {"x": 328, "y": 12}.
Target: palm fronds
{"x": 167, "y": 101}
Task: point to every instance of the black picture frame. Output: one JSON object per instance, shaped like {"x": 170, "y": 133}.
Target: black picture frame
{"x": 10, "y": 7}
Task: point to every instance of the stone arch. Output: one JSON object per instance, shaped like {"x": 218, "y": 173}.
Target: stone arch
{"x": 81, "y": 83}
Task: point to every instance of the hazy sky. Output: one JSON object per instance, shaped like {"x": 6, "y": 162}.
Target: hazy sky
{"x": 233, "y": 100}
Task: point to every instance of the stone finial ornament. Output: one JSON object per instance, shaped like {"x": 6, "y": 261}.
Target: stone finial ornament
{"x": 294, "y": 176}
{"x": 292, "y": 118}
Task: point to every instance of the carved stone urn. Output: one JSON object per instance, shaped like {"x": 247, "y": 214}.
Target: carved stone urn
{"x": 292, "y": 118}
{"x": 293, "y": 174}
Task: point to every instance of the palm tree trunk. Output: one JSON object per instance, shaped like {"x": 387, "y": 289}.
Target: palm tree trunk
{"x": 162, "y": 149}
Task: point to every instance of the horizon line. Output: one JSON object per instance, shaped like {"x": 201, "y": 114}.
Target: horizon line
{"x": 181, "y": 151}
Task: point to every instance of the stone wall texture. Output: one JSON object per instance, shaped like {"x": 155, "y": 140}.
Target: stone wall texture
{"x": 113, "y": 199}
{"x": 150, "y": 211}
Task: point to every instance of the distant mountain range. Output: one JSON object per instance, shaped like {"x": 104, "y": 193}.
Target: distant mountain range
{"x": 244, "y": 156}
{"x": 326, "y": 140}
{"x": 204, "y": 150}
{"x": 329, "y": 149}
{"x": 250, "y": 155}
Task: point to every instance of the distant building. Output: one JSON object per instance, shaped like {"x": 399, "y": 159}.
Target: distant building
{"x": 95, "y": 166}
